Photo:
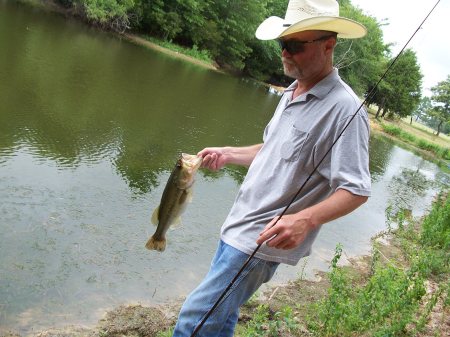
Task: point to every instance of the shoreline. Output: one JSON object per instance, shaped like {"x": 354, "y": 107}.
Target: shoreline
{"x": 136, "y": 39}
{"x": 136, "y": 320}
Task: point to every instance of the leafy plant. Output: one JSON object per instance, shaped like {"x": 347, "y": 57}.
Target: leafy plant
{"x": 268, "y": 324}
{"x": 390, "y": 302}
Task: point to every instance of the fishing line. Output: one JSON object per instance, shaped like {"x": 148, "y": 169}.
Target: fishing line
{"x": 216, "y": 304}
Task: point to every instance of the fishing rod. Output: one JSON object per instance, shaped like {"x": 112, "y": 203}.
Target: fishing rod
{"x": 372, "y": 91}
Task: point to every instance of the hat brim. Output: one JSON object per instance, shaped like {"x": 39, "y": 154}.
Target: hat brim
{"x": 272, "y": 27}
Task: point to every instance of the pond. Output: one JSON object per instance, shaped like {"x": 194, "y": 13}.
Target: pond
{"x": 90, "y": 128}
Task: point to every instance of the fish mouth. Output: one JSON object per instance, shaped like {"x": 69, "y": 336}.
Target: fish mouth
{"x": 190, "y": 161}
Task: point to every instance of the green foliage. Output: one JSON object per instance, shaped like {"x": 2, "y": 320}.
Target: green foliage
{"x": 389, "y": 303}
{"x": 406, "y": 79}
{"x": 112, "y": 14}
{"x": 166, "y": 333}
{"x": 264, "y": 62}
{"x": 225, "y": 30}
{"x": 441, "y": 100}
{"x": 360, "y": 61}
{"x": 436, "y": 226}
{"x": 266, "y": 324}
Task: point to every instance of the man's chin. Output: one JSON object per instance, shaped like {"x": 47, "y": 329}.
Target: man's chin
{"x": 290, "y": 70}
{"x": 291, "y": 73}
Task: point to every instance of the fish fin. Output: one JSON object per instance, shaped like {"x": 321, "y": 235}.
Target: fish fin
{"x": 176, "y": 223}
{"x": 155, "y": 244}
{"x": 189, "y": 196}
{"x": 155, "y": 216}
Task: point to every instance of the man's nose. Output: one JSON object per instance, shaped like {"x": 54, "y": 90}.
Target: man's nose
{"x": 285, "y": 53}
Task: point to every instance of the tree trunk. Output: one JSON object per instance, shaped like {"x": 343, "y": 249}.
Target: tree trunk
{"x": 378, "y": 112}
{"x": 384, "y": 112}
{"x": 381, "y": 106}
{"x": 439, "y": 128}
{"x": 410, "y": 122}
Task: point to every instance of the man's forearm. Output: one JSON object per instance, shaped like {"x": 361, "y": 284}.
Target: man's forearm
{"x": 241, "y": 155}
{"x": 335, "y": 206}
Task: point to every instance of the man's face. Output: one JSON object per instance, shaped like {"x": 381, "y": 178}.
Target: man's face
{"x": 305, "y": 59}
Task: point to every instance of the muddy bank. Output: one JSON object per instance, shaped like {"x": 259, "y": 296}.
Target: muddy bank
{"x": 132, "y": 321}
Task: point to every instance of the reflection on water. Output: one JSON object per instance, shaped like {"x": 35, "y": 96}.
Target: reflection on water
{"x": 407, "y": 186}
{"x": 90, "y": 127}
{"x": 380, "y": 150}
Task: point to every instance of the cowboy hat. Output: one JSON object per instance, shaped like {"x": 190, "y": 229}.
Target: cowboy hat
{"x": 310, "y": 15}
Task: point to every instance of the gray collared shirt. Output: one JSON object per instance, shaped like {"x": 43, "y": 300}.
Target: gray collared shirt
{"x": 295, "y": 140}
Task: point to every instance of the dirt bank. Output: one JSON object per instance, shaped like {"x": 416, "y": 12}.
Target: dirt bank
{"x": 145, "y": 43}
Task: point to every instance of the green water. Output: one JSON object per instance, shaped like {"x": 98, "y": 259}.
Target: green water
{"x": 90, "y": 127}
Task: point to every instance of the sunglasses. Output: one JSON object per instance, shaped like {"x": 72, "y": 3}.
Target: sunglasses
{"x": 297, "y": 46}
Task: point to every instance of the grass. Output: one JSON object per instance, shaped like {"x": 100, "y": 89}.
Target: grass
{"x": 416, "y": 135}
{"x": 424, "y": 131}
{"x": 438, "y": 150}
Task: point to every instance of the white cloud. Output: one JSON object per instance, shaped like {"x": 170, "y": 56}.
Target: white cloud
{"x": 431, "y": 43}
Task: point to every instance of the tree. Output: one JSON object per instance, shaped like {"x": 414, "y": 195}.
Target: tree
{"x": 264, "y": 62}
{"x": 237, "y": 20}
{"x": 360, "y": 61}
{"x": 441, "y": 100}
{"x": 111, "y": 14}
{"x": 423, "y": 109}
{"x": 400, "y": 91}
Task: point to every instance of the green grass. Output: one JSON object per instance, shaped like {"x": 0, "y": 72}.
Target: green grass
{"x": 194, "y": 52}
{"x": 439, "y": 151}
{"x": 427, "y": 131}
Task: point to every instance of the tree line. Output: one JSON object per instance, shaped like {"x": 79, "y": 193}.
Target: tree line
{"x": 224, "y": 30}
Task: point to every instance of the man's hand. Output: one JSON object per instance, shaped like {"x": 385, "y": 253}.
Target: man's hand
{"x": 214, "y": 158}
{"x": 289, "y": 232}
{"x": 292, "y": 229}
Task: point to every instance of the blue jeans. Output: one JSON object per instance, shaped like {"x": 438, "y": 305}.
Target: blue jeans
{"x": 224, "y": 267}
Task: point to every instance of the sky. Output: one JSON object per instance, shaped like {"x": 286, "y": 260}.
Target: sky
{"x": 431, "y": 43}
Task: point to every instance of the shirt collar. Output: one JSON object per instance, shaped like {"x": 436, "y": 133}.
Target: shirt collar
{"x": 320, "y": 90}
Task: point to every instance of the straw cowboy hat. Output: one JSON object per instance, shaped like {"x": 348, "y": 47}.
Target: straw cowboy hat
{"x": 310, "y": 15}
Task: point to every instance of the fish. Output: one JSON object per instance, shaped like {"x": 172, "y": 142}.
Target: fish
{"x": 176, "y": 195}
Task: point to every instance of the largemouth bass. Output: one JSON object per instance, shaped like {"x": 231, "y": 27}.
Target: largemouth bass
{"x": 177, "y": 194}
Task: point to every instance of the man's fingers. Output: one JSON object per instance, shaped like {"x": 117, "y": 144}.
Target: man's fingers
{"x": 269, "y": 225}
{"x": 268, "y": 233}
{"x": 208, "y": 160}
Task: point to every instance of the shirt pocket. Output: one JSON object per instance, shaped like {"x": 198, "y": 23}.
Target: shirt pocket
{"x": 293, "y": 143}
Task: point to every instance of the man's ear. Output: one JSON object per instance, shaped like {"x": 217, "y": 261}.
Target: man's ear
{"x": 330, "y": 44}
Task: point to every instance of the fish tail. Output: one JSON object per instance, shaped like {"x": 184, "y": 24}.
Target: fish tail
{"x": 156, "y": 244}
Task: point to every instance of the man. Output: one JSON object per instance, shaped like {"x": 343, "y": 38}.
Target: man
{"x": 309, "y": 118}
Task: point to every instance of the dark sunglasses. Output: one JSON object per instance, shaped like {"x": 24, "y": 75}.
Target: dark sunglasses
{"x": 297, "y": 46}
